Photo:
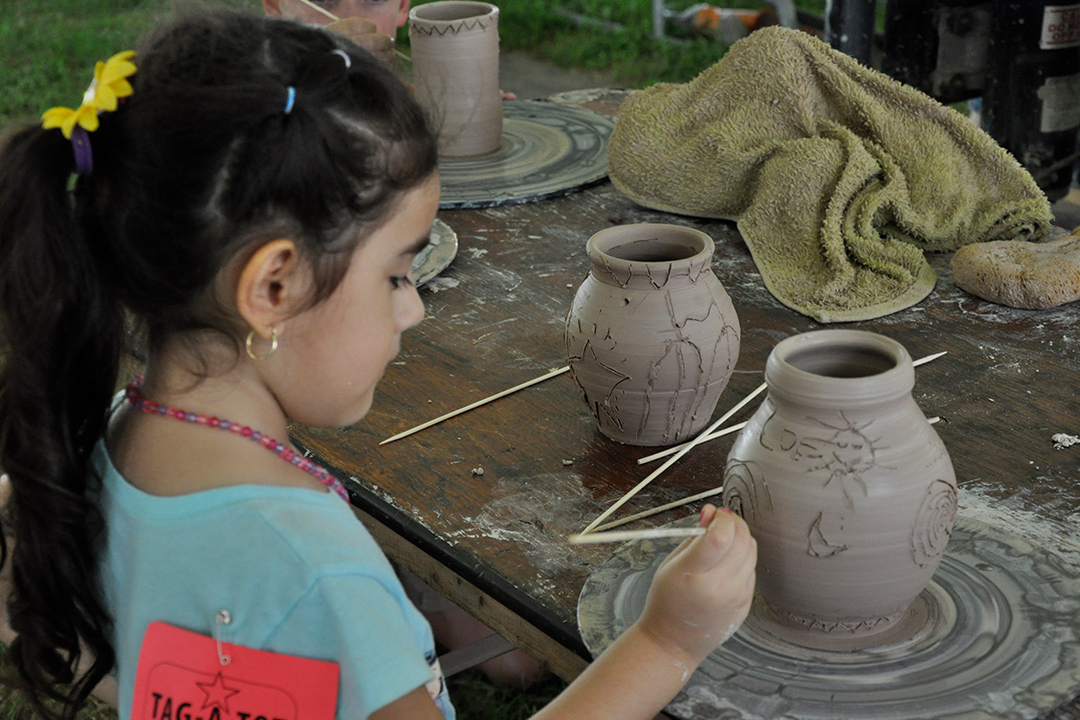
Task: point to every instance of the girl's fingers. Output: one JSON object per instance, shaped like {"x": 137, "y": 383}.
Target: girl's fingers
{"x": 727, "y": 539}
{"x": 714, "y": 545}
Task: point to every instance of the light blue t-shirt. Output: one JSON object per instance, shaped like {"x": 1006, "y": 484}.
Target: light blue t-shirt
{"x": 298, "y": 573}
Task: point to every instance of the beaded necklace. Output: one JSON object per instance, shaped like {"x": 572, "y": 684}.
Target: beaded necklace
{"x": 140, "y": 402}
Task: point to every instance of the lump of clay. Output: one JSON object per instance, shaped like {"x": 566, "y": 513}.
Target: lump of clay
{"x": 1026, "y": 275}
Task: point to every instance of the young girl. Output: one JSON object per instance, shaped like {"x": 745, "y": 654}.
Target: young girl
{"x": 250, "y": 193}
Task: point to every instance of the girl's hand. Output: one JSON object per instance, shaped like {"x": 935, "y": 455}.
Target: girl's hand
{"x": 702, "y": 591}
{"x": 362, "y": 32}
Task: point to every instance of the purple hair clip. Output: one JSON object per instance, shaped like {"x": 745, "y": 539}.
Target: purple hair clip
{"x": 84, "y": 156}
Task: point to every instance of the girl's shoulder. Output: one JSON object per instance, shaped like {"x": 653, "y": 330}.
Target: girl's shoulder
{"x": 314, "y": 529}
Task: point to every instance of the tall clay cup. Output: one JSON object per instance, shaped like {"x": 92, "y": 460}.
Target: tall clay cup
{"x": 455, "y": 54}
{"x": 652, "y": 337}
{"x": 847, "y": 489}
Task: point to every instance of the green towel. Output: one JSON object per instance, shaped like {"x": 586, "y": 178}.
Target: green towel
{"x": 839, "y": 176}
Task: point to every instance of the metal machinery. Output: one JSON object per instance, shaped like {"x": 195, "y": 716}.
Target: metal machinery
{"x": 1022, "y": 57}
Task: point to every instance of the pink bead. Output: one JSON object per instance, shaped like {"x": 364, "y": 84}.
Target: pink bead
{"x": 280, "y": 449}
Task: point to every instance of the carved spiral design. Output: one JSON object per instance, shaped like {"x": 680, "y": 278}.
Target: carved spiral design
{"x": 744, "y": 489}
{"x": 934, "y": 523}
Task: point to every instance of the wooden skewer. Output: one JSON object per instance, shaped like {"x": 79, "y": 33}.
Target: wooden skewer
{"x": 623, "y": 535}
{"x": 674, "y": 458}
{"x": 476, "y": 404}
{"x": 660, "y": 509}
{"x": 928, "y": 358}
{"x": 739, "y": 426}
{"x": 672, "y": 450}
{"x": 323, "y": 10}
{"x": 335, "y": 18}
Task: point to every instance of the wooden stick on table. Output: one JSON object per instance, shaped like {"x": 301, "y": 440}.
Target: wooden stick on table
{"x": 660, "y": 509}
{"x": 622, "y": 535}
{"x": 675, "y": 449}
{"x": 476, "y": 404}
{"x": 673, "y": 459}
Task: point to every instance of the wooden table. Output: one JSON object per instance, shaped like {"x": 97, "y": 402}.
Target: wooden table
{"x": 480, "y": 505}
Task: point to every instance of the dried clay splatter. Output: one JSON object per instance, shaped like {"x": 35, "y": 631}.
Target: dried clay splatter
{"x": 1062, "y": 441}
{"x": 536, "y": 514}
{"x": 1026, "y": 516}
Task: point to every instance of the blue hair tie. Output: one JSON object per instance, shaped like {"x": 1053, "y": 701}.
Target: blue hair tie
{"x": 291, "y": 100}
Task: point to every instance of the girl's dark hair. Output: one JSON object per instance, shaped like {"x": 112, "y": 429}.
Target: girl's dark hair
{"x": 197, "y": 166}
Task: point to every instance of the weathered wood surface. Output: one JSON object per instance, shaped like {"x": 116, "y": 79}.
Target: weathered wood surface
{"x": 495, "y": 319}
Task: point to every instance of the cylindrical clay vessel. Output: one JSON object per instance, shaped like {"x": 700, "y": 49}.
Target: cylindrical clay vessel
{"x": 455, "y": 54}
{"x": 652, "y": 337}
{"x": 847, "y": 489}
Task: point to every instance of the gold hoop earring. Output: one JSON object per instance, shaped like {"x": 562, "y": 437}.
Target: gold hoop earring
{"x": 269, "y": 353}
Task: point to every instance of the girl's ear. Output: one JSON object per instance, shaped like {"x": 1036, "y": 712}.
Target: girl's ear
{"x": 403, "y": 13}
{"x": 271, "y": 285}
{"x": 272, "y": 7}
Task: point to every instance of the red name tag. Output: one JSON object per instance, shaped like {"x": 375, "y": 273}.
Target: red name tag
{"x": 180, "y": 677}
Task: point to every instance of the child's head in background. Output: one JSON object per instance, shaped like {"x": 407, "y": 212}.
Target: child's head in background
{"x": 388, "y": 15}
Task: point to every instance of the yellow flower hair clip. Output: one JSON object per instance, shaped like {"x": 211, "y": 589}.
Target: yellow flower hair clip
{"x": 109, "y": 85}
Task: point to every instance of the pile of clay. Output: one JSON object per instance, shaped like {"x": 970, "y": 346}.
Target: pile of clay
{"x": 1034, "y": 276}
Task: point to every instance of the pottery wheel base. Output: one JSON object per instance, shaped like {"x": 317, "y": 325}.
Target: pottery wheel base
{"x": 1000, "y": 639}
{"x": 547, "y": 150}
{"x": 921, "y": 617}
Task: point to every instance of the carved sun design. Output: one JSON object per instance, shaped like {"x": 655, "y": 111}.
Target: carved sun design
{"x": 845, "y": 454}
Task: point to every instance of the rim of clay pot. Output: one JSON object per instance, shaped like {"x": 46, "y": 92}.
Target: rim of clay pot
{"x": 451, "y": 10}
{"x": 642, "y": 244}
{"x": 842, "y": 366}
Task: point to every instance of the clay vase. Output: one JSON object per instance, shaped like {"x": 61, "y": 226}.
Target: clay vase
{"x": 651, "y": 337}
{"x": 455, "y": 54}
{"x": 847, "y": 489}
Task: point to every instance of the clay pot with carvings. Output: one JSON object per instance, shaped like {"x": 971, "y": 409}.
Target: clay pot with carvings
{"x": 847, "y": 489}
{"x": 652, "y": 337}
{"x": 455, "y": 55}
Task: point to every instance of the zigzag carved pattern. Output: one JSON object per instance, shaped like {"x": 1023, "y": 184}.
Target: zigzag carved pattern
{"x": 464, "y": 26}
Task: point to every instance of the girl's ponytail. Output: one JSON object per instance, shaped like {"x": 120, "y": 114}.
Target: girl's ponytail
{"x": 61, "y": 332}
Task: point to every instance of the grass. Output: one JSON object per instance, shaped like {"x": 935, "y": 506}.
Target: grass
{"x": 48, "y": 48}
